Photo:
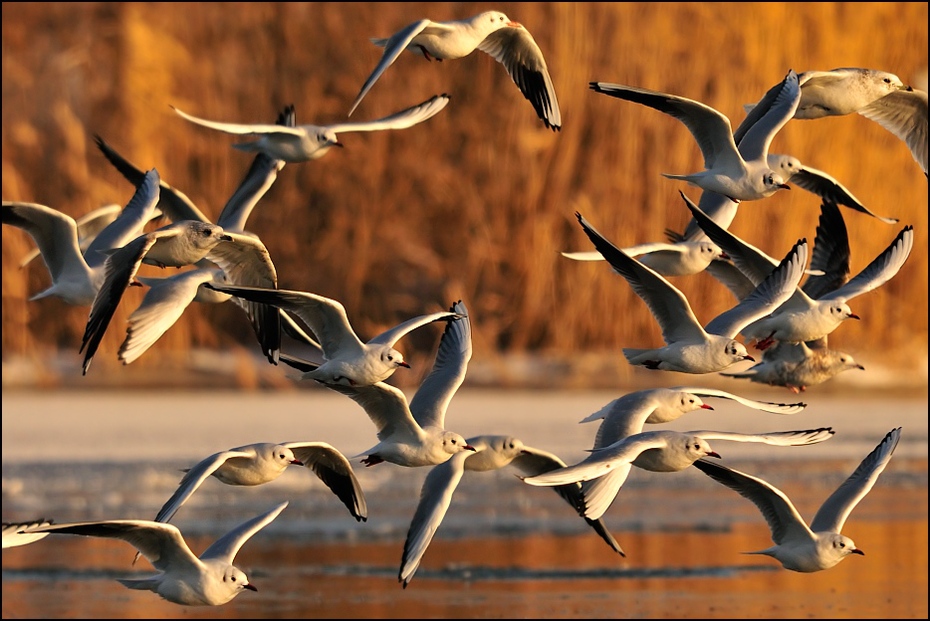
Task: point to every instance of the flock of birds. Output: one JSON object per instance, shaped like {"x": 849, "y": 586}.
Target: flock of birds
{"x": 92, "y": 262}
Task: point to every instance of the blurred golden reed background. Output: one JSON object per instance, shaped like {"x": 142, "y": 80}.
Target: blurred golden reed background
{"x": 474, "y": 204}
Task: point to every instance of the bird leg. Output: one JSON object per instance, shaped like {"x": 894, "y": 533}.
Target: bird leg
{"x": 371, "y": 460}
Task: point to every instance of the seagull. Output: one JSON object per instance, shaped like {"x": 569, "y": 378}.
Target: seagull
{"x": 492, "y": 452}
{"x": 657, "y": 451}
{"x": 626, "y": 415}
{"x": 76, "y": 277}
{"x": 689, "y": 347}
{"x": 739, "y": 173}
{"x": 304, "y": 143}
{"x": 802, "y": 317}
{"x": 797, "y": 546}
{"x": 168, "y": 297}
{"x": 20, "y": 533}
{"x": 796, "y": 366}
{"x": 175, "y": 245}
{"x": 348, "y": 360}
{"x": 413, "y": 434}
{"x": 680, "y": 258}
{"x": 877, "y": 95}
{"x": 263, "y": 462}
{"x": 506, "y": 41}
{"x": 182, "y": 578}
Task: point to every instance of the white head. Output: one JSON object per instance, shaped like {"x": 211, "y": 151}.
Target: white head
{"x": 696, "y": 447}
{"x": 838, "y": 546}
{"x": 392, "y": 359}
{"x": 845, "y": 361}
{"x": 840, "y": 311}
{"x": 204, "y": 235}
{"x": 710, "y": 250}
{"x": 737, "y": 351}
{"x": 323, "y": 139}
{"x": 234, "y": 581}
{"x": 280, "y": 456}
{"x": 492, "y": 20}
{"x": 773, "y": 182}
{"x": 453, "y": 443}
{"x": 786, "y": 165}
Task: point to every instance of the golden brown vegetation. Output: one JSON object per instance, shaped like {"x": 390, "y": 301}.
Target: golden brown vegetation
{"x": 474, "y": 204}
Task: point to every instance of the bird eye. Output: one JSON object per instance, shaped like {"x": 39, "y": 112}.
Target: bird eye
{"x": 233, "y": 578}
{"x": 842, "y": 545}
{"x": 206, "y": 232}
{"x": 887, "y": 80}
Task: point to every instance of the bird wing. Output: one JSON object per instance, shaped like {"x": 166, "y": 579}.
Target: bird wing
{"x": 226, "y": 547}
{"x": 325, "y": 317}
{"x": 407, "y": 117}
{"x": 163, "y": 304}
{"x": 243, "y": 129}
{"x": 771, "y": 293}
{"x": 120, "y": 267}
{"x": 775, "y": 438}
{"x": 162, "y": 544}
{"x": 514, "y": 47}
{"x": 829, "y": 189}
{"x": 765, "y": 406}
{"x": 615, "y": 458}
{"x": 710, "y": 128}
{"x": 55, "y": 235}
{"x": 172, "y": 202}
{"x": 667, "y": 304}
{"x": 391, "y": 336}
{"x": 435, "y": 497}
{"x": 904, "y": 114}
{"x": 432, "y": 398}
{"x": 880, "y": 270}
{"x": 754, "y": 145}
{"x": 192, "y": 480}
{"x": 783, "y": 519}
{"x": 246, "y": 261}
{"x": 332, "y": 467}
{"x": 830, "y": 254}
{"x": 833, "y": 513}
{"x": 393, "y": 47}
{"x": 387, "y": 408}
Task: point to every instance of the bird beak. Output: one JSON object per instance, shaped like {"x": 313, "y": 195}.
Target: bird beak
{"x": 785, "y": 186}
{"x": 514, "y": 24}
{"x": 714, "y": 454}
{"x": 704, "y": 406}
{"x": 724, "y": 255}
{"x": 296, "y": 462}
{"x": 403, "y": 364}
{"x": 853, "y": 316}
{"x": 469, "y": 447}
{"x": 250, "y": 587}
{"x": 748, "y": 357}
{"x": 858, "y": 551}
{"x": 226, "y": 238}
{"x": 860, "y": 367}
{"x": 337, "y": 144}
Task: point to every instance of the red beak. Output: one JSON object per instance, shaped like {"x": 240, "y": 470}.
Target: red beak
{"x": 704, "y": 406}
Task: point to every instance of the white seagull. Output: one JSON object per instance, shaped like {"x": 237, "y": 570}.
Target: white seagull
{"x": 656, "y": 451}
{"x": 347, "y": 360}
{"x": 182, "y": 578}
{"x": 796, "y": 366}
{"x": 740, "y": 173}
{"x": 77, "y": 277}
{"x": 691, "y": 348}
{"x": 20, "y": 533}
{"x": 168, "y": 297}
{"x": 877, "y": 95}
{"x": 801, "y": 317}
{"x": 492, "y": 452}
{"x": 506, "y": 41}
{"x": 176, "y": 245}
{"x": 819, "y": 546}
{"x": 263, "y": 462}
{"x": 676, "y": 258}
{"x": 304, "y": 143}
{"x": 413, "y": 434}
